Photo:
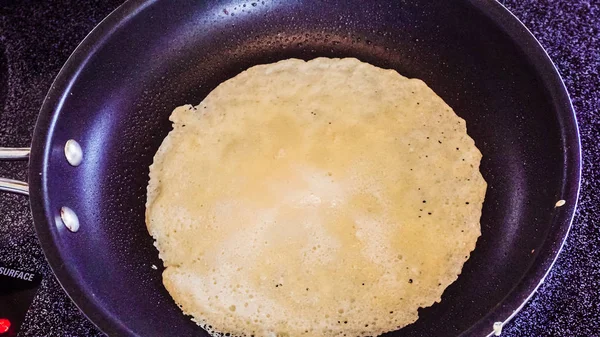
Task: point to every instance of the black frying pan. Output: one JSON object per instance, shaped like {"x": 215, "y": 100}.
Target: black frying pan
{"x": 115, "y": 93}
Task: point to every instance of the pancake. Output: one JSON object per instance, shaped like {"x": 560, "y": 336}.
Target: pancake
{"x": 320, "y": 198}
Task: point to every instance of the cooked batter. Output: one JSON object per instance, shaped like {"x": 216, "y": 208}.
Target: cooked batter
{"x": 316, "y": 198}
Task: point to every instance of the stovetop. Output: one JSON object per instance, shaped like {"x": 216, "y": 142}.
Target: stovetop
{"x": 37, "y": 37}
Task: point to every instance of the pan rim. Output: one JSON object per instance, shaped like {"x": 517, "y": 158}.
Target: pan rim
{"x": 493, "y": 10}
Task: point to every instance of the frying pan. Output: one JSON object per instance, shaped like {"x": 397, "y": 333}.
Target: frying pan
{"x": 116, "y": 91}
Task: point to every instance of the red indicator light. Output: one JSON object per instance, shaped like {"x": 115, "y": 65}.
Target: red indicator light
{"x": 4, "y": 325}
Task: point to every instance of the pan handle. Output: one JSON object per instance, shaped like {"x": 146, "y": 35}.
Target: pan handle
{"x": 10, "y": 185}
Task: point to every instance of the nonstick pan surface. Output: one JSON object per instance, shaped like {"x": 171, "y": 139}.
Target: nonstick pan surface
{"x": 115, "y": 94}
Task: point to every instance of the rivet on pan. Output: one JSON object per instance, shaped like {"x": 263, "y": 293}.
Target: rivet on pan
{"x": 73, "y": 152}
{"x": 69, "y": 218}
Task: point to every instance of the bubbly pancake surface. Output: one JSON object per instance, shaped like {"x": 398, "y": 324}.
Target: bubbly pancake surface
{"x": 319, "y": 198}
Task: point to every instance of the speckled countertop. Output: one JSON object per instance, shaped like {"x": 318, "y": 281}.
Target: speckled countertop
{"x": 38, "y": 37}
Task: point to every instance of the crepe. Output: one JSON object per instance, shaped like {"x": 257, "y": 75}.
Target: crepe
{"x": 320, "y": 198}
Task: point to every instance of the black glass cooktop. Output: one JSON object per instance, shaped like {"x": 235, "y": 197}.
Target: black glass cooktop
{"x": 17, "y": 290}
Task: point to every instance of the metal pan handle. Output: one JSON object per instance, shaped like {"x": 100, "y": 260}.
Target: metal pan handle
{"x": 10, "y": 185}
